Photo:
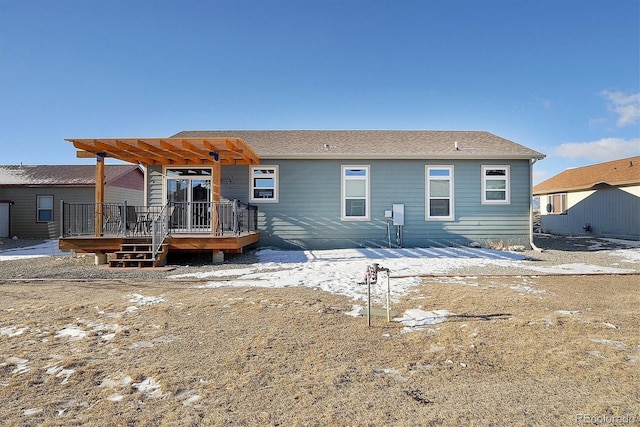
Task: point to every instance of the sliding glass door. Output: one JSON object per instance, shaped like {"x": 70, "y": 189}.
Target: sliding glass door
{"x": 189, "y": 190}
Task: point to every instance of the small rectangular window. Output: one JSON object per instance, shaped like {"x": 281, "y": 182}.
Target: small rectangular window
{"x": 44, "y": 208}
{"x": 495, "y": 185}
{"x": 355, "y": 193}
{"x": 439, "y": 188}
{"x": 557, "y": 203}
{"x": 264, "y": 184}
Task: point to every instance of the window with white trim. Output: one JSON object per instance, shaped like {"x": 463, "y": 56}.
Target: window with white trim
{"x": 44, "y": 206}
{"x": 495, "y": 185}
{"x": 557, "y": 203}
{"x": 439, "y": 195}
{"x": 355, "y": 193}
{"x": 264, "y": 184}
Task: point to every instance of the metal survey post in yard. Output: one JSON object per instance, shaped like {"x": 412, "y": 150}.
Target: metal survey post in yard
{"x": 372, "y": 278}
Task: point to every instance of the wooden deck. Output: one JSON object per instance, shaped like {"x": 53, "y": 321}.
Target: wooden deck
{"x": 197, "y": 243}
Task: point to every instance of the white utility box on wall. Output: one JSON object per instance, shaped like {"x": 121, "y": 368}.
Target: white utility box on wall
{"x": 398, "y": 213}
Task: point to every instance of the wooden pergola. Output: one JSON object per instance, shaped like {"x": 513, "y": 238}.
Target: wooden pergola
{"x": 216, "y": 152}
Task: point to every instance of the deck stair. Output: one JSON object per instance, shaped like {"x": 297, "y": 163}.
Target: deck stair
{"x": 138, "y": 254}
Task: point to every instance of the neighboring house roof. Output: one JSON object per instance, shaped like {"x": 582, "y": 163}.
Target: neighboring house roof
{"x": 370, "y": 144}
{"x": 59, "y": 175}
{"x": 615, "y": 173}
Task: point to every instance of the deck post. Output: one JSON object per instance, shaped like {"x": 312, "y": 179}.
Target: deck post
{"x": 62, "y": 230}
{"x": 99, "y": 194}
{"x": 217, "y": 170}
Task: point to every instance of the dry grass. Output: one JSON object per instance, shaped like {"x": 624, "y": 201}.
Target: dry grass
{"x": 512, "y": 355}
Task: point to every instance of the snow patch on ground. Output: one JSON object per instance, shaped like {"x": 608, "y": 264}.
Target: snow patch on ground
{"x": 20, "y": 366}
{"x": 46, "y": 249}
{"x": 567, "y": 312}
{"x": 356, "y": 311}
{"x": 143, "y": 300}
{"x": 72, "y": 331}
{"x": 149, "y": 388}
{"x": 12, "y": 331}
{"x": 60, "y": 372}
{"x": 418, "y": 318}
{"x": 343, "y": 271}
{"x": 527, "y": 289}
{"x": 627, "y": 255}
{"x": 579, "y": 269}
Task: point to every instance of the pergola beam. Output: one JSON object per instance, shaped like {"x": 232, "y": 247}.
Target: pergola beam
{"x": 246, "y": 152}
{"x": 146, "y": 157}
{"x": 188, "y": 158}
{"x": 168, "y": 156}
{"x": 202, "y": 154}
{"x": 178, "y": 151}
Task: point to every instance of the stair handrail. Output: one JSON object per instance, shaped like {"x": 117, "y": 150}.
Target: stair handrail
{"x": 160, "y": 229}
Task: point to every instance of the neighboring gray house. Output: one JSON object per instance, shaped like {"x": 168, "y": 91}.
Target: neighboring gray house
{"x": 338, "y": 189}
{"x": 601, "y": 199}
{"x": 30, "y": 195}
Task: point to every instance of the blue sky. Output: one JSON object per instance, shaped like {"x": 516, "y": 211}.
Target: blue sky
{"x": 561, "y": 77}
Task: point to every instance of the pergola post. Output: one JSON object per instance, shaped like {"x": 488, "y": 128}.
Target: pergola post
{"x": 217, "y": 170}
{"x": 99, "y": 194}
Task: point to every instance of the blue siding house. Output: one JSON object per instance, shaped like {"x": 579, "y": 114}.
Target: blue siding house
{"x": 337, "y": 189}
{"x": 315, "y": 189}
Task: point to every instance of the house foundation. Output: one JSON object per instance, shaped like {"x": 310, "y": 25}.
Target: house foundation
{"x": 100, "y": 259}
{"x": 217, "y": 257}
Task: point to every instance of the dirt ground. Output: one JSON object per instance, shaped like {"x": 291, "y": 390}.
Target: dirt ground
{"x": 519, "y": 351}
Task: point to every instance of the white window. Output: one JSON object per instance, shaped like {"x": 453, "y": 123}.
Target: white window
{"x": 439, "y": 192}
{"x": 355, "y": 193}
{"x": 45, "y": 208}
{"x": 264, "y": 184}
{"x": 557, "y": 203}
{"x": 495, "y": 185}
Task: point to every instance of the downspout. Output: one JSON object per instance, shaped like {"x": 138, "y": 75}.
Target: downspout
{"x": 533, "y": 245}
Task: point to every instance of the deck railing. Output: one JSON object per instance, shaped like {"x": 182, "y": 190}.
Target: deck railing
{"x": 121, "y": 219}
{"x": 160, "y": 229}
{"x": 229, "y": 217}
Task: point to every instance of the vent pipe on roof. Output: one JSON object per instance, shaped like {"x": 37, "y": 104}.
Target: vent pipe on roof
{"x": 455, "y": 144}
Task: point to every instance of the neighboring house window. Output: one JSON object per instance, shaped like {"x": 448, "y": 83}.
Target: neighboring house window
{"x": 557, "y": 203}
{"x": 439, "y": 192}
{"x": 264, "y": 184}
{"x": 355, "y": 193}
{"x": 45, "y": 208}
{"x": 495, "y": 185}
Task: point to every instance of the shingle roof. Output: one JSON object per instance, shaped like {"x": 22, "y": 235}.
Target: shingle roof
{"x": 614, "y": 173}
{"x": 361, "y": 144}
{"x": 72, "y": 175}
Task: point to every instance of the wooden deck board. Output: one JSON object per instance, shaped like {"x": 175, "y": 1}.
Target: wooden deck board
{"x": 178, "y": 243}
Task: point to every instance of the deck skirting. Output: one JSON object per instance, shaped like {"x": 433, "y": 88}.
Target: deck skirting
{"x": 175, "y": 243}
